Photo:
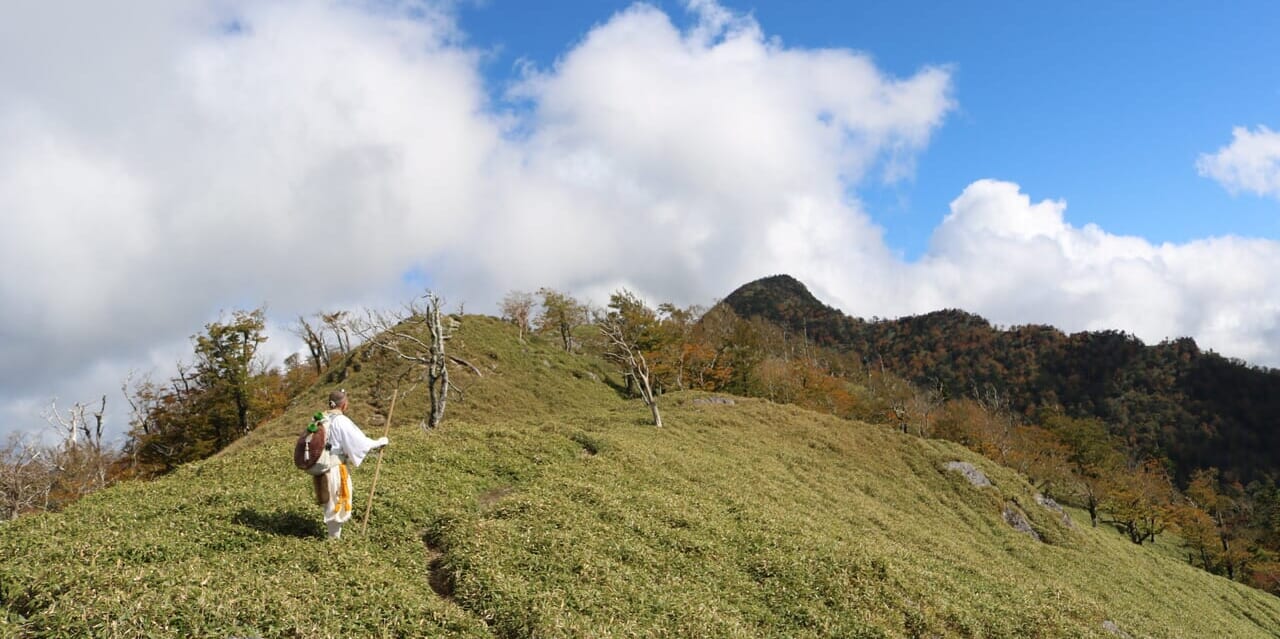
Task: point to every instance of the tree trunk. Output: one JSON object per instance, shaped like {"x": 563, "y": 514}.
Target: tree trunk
{"x": 243, "y": 414}
{"x": 641, "y": 375}
{"x": 657, "y": 417}
{"x": 1226, "y": 558}
{"x": 439, "y": 389}
{"x": 438, "y": 373}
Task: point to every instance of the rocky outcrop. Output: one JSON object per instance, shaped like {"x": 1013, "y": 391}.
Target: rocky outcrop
{"x": 970, "y": 472}
{"x": 1047, "y": 502}
{"x": 1018, "y": 521}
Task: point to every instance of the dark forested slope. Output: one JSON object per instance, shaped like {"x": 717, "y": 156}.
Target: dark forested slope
{"x": 1195, "y": 407}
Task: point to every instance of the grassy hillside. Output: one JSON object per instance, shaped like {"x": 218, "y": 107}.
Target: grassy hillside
{"x": 545, "y": 507}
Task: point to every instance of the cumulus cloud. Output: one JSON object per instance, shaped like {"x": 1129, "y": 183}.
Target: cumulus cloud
{"x": 160, "y": 161}
{"x": 1251, "y": 163}
{"x": 290, "y": 152}
{"x": 173, "y": 159}
{"x": 684, "y": 162}
{"x": 1019, "y": 262}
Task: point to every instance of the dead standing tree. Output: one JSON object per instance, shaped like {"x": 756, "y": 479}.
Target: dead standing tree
{"x": 339, "y": 323}
{"x": 80, "y": 462}
{"x": 314, "y": 339}
{"x": 517, "y": 308}
{"x": 26, "y": 478}
{"x": 418, "y": 334}
{"x": 73, "y": 424}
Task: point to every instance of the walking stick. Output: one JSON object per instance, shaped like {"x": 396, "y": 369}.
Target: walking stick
{"x": 378, "y": 467}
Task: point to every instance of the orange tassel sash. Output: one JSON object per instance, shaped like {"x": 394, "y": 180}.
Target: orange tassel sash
{"x": 343, "y": 502}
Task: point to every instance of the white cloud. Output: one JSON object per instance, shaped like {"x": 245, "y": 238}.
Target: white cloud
{"x": 688, "y": 162}
{"x": 320, "y": 149}
{"x": 1250, "y": 163}
{"x": 179, "y": 159}
{"x": 1016, "y": 262}
{"x": 176, "y": 159}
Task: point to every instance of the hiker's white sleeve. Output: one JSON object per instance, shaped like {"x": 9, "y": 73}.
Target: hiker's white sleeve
{"x": 353, "y": 442}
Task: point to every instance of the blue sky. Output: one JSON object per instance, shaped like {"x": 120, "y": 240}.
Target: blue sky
{"x": 1104, "y": 104}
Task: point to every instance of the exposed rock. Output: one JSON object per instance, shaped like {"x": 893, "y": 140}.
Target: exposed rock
{"x": 711, "y": 401}
{"x": 1018, "y": 520}
{"x": 970, "y": 472}
{"x": 1048, "y": 502}
{"x": 1111, "y": 627}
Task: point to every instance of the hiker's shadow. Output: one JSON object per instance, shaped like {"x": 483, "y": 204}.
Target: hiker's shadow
{"x": 287, "y": 523}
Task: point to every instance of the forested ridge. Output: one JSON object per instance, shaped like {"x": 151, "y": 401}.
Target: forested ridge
{"x": 1172, "y": 399}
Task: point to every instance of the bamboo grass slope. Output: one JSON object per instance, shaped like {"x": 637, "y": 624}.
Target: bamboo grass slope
{"x": 546, "y": 506}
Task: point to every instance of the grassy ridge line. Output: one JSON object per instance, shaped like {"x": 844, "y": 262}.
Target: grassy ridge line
{"x": 560, "y": 514}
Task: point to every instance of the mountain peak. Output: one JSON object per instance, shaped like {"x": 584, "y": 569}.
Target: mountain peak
{"x": 786, "y": 301}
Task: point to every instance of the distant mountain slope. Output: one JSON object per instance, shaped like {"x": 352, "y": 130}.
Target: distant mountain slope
{"x": 1198, "y": 408}
{"x": 782, "y": 299}
{"x": 546, "y": 507}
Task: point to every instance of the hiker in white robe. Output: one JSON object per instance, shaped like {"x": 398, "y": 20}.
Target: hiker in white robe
{"x": 351, "y": 445}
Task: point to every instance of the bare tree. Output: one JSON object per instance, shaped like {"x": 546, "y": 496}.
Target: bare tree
{"x": 68, "y": 426}
{"x": 517, "y": 308}
{"x": 1001, "y": 419}
{"x": 25, "y": 477}
{"x": 419, "y": 334}
{"x": 80, "y": 464}
{"x": 922, "y": 405}
{"x": 314, "y": 340}
{"x": 78, "y": 422}
{"x": 340, "y": 324}
{"x": 316, "y": 331}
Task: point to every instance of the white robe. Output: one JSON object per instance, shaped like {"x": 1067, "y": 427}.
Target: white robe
{"x": 350, "y": 444}
{"x": 347, "y": 441}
